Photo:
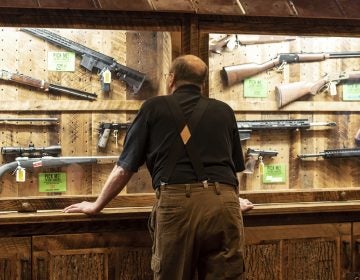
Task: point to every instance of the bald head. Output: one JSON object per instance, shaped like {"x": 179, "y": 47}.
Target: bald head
{"x": 188, "y": 69}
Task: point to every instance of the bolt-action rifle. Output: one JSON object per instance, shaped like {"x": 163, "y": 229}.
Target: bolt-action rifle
{"x": 357, "y": 138}
{"x": 106, "y": 128}
{"x": 93, "y": 60}
{"x": 26, "y": 163}
{"x": 44, "y": 86}
{"x": 237, "y": 73}
{"x": 253, "y": 156}
{"x": 246, "y": 127}
{"x": 335, "y": 153}
{"x": 288, "y": 93}
{"x": 32, "y": 151}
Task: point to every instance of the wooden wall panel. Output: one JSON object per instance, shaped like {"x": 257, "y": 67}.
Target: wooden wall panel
{"x": 15, "y": 258}
{"x": 110, "y": 256}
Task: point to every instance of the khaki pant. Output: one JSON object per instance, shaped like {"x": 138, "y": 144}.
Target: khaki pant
{"x": 197, "y": 229}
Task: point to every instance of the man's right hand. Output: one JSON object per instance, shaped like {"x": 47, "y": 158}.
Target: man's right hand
{"x": 245, "y": 204}
{"x": 85, "y": 207}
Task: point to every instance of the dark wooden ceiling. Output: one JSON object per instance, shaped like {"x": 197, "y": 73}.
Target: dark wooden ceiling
{"x": 341, "y": 9}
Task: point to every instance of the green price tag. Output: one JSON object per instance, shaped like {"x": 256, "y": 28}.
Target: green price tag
{"x": 351, "y": 92}
{"x": 61, "y": 61}
{"x": 274, "y": 173}
{"x": 52, "y": 182}
{"x": 255, "y": 88}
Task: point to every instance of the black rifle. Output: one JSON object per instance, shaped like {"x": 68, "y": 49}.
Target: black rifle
{"x": 105, "y": 129}
{"x": 336, "y": 153}
{"x": 93, "y": 60}
{"x": 50, "y": 162}
{"x": 254, "y": 155}
{"x": 246, "y": 127}
{"x": 237, "y": 73}
{"x": 31, "y": 151}
{"x": 45, "y": 86}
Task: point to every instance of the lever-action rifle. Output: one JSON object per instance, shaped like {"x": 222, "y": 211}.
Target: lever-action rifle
{"x": 357, "y": 138}
{"x": 43, "y": 85}
{"x": 49, "y": 162}
{"x": 31, "y": 151}
{"x": 237, "y": 73}
{"x": 254, "y": 155}
{"x": 246, "y": 127}
{"x": 288, "y": 93}
{"x": 233, "y": 40}
{"x": 93, "y": 60}
{"x": 105, "y": 129}
{"x": 336, "y": 153}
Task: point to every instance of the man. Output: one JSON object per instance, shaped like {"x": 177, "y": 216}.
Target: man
{"x": 192, "y": 149}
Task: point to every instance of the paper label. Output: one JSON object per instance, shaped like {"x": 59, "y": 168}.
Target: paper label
{"x": 61, "y": 61}
{"x": 274, "y": 173}
{"x": 351, "y": 92}
{"x": 52, "y": 182}
{"x": 255, "y": 88}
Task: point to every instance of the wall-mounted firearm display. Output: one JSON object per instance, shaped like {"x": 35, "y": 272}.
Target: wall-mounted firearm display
{"x": 246, "y": 127}
{"x": 106, "y": 128}
{"x": 253, "y": 156}
{"x": 44, "y": 85}
{"x": 288, "y": 93}
{"x": 32, "y": 151}
{"x": 335, "y": 153}
{"x": 93, "y": 60}
{"x": 26, "y": 163}
{"x": 237, "y": 73}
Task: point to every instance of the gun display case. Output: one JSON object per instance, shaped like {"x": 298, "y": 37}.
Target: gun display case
{"x": 303, "y": 228}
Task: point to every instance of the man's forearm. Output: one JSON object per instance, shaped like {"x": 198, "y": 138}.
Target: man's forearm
{"x": 116, "y": 181}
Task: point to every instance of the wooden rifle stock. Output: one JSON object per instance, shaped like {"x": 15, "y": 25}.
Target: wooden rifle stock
{"x": 237, "y": 73}
{"x": 288, "y": 93}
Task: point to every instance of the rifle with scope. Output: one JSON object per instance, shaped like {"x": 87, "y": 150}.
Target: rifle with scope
{"x": 93, "y": 60}
{"x": 288, "y": 93}
{"x": 27, "y": 163}
{"x": 31, "y": 151}
{"x": 237, "y": 73}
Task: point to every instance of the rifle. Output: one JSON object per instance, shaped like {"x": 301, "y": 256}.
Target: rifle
{"x": 253, "y": 156}
{"x": 231, "y": 41}
{"x": 28, "y": 120}
{"x": 246, "y": 127}
{"x": 104, "y": 132}
{"x": 31, "y": 151}
{"x": 237, "y": 73}
{"x": 336, "y": 153}
{"x": 43, "y": 85}
{"x": 49, "y": 162}
{"x": 288, "y": 93}
{"x": 357, "y": 138}
{"x": 93, "y": 60}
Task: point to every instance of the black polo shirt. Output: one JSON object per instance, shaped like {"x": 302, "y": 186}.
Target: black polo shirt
{"x": 153, "y": 132}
